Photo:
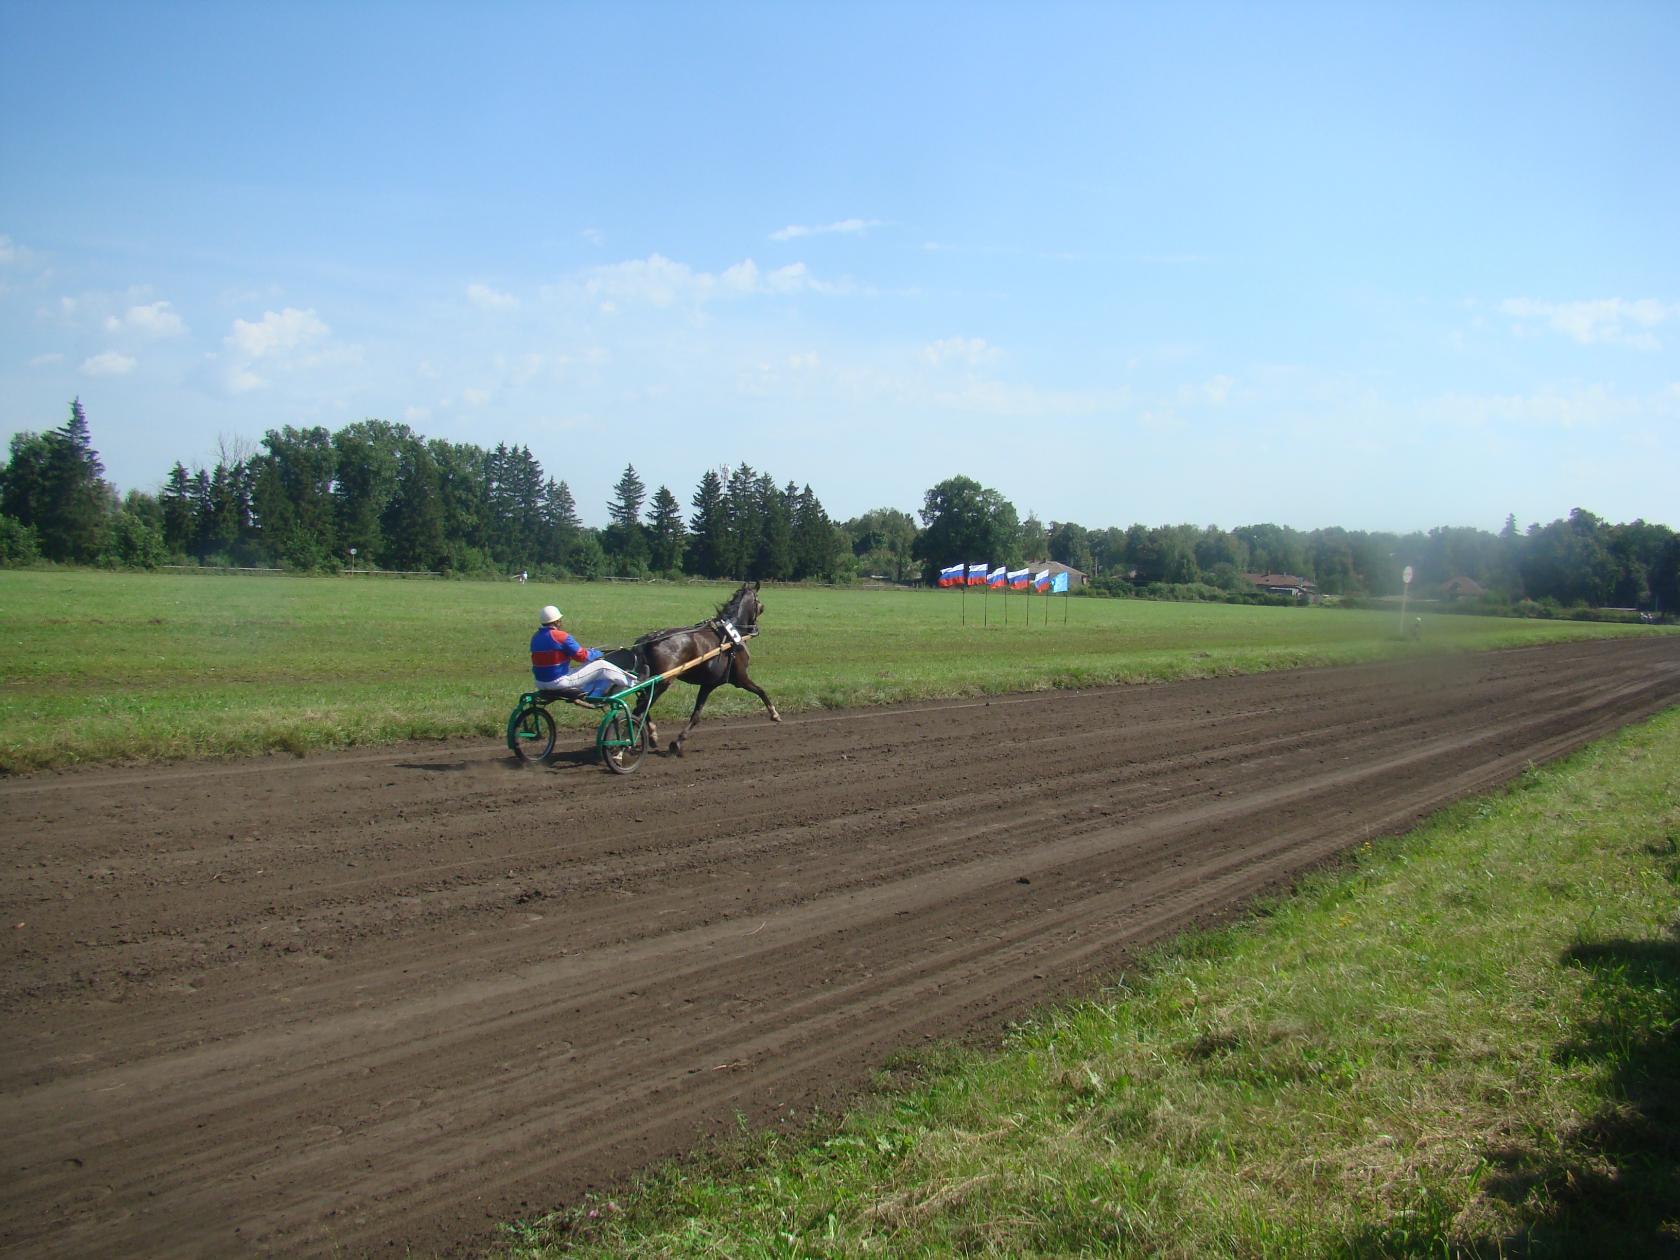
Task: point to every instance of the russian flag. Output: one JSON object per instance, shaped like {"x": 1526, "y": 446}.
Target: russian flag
{"x": 1042, "y": 581}
{"x": 951, "y": 575}
{"x": 977, "y": 574}
{"x": 997, "y": 577}
{"x": 1018, "y": 579}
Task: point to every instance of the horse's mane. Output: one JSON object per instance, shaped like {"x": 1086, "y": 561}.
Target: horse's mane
{"x": 729, "y": 610}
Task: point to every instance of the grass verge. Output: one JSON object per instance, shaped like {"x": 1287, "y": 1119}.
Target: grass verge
{"x": 1463, "y": 1043}
{"x": 120, "y": 666}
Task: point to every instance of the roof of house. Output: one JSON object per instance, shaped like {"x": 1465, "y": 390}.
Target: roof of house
{"x": 1279, "y": 579}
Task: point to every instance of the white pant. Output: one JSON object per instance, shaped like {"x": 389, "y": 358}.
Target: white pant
{"x": 589, "y": 676}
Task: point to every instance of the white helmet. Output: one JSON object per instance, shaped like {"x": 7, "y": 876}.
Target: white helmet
{"x": 549, "y": 614}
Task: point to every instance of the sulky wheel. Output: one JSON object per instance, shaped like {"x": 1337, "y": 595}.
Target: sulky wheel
{"x": 533, "y": 734}
{"x": 622, "y": 741}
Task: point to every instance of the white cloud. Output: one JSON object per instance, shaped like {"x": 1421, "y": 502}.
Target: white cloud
{"x": 46, "y": 360}
{"x": 1588, "y": 407}
{"x": 281, "y": 342}
{"x": 1601, "y": 321}
{"x": 14, "y": 255}
{"x": 594, "y": 236}
{"x": 661, "y": 282}
{"x": 109, "y": 364}
{"x": 155, "y": 319}
{"x": 475, "y": 397}
{"x": 488, "y": 299}
{"x": 655, "y": 280}
{"x": 276, "y": 333}
{"x": 1214, "y": 392}
{"x": 845, "y": 227}
{"x": 972, "y": 351}
{"x": 1030, "y": 402}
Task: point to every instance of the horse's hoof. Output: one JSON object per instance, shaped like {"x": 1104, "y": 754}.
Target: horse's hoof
{"x": 676, "y": 748}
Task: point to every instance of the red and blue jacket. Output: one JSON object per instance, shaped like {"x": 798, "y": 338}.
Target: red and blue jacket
{"x": 553, "y": 652}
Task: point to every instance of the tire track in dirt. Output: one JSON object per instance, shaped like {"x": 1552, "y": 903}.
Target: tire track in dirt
{"x": 387, "y": 999}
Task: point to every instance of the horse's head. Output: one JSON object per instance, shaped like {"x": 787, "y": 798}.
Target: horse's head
{"x": 743, "y": 607}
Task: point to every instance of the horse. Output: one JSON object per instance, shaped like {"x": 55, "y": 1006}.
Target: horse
{"x": 664, "y": 650}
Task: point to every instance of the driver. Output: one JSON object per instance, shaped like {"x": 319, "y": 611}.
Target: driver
{"x": 553, "y": 651}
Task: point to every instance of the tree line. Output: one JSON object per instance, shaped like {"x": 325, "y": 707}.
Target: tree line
{"x": 1581, "y": 560}
{"x": 375, "y": 494}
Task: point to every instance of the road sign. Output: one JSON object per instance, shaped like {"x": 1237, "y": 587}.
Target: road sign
{"x": 1406, "y": 577}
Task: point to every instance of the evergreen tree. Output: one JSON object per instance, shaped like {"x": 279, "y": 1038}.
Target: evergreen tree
{"x": 815, "y": 540}
{"x": 513, "y": 483}
{"x": 624, "y": 539}
{"x": 774, "y": 561}
{"x": 560, "y": 522}
{"x": 224, "y": 513}
{"x": 180, "y": 524}
{"x": 708, "y": 528}
{"x": 75, "y": 506}
{"x": 746, "y": 522}
{"x": 561, "y": 507}
{"x": 626, "y": 506}
{"x": 667, "y": 536}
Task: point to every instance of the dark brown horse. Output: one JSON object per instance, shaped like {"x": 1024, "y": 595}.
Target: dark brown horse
{"x": 667, "y": 649}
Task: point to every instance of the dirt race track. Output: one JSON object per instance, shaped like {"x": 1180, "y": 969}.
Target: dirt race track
{"x": 381, "y": 1000}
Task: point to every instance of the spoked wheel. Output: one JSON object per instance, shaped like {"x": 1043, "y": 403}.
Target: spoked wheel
{"x": 533, "y": 735}
{"x": 622, "y": 741}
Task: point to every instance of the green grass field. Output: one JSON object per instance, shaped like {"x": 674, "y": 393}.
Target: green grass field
{"x": 1462, "y": 1045}
{"x": 115, "y": 666}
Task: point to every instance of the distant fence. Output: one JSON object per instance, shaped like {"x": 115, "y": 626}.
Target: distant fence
{"x": 214, "y": 568}
{"x": 239, "y": 568}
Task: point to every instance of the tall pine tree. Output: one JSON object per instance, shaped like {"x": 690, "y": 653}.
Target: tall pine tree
{"x": 708, "y": 528}
{"x": 624, "y": 539}
{"x": 77, "y": 505}
{"x": 667, "y": 537}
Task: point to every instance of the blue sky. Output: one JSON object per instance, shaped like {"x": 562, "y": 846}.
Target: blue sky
{"x": 1379, "y": 266}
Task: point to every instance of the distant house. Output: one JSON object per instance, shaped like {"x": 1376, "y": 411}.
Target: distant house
{"x": 1284, "y": 584}
{"x": 1076, "y": 579}
{"x": 1462, "y": 588}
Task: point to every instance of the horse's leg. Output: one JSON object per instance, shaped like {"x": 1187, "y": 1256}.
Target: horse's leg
{"x": 693, "y": 718}
{"x": 738, "y": 676}
{"x": 645, "y": 711}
